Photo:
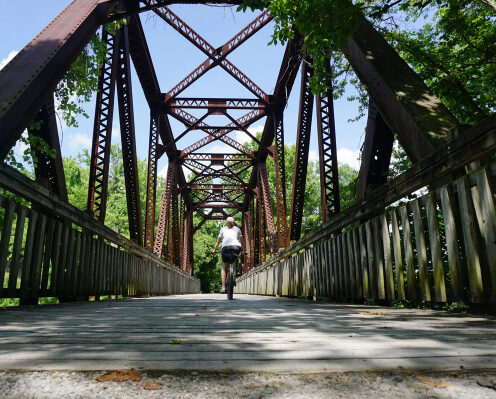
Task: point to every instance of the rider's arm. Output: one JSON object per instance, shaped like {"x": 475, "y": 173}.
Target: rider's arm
{"x": 219, "y": 239}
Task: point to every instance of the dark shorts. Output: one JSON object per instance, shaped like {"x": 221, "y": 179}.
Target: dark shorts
{"x": 230, "y": 253}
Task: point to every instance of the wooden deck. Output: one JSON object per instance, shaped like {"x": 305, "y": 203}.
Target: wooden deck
{"x": 249, "y": 333}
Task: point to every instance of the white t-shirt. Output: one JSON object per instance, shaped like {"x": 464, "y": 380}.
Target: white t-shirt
{"x": 230, "y": 236}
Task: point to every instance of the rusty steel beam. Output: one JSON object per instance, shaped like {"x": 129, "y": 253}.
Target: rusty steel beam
{"x": 215, "y": 104}
{"x": 151, "y": 182}
{"x": 102, "y": 129}
{"x": 302, "y": 149}
{"x": 170, "y": 182}
{"x": 175, "y": 229}
{"x": 328, "y": 160}
{"x": 187, "y": 258}
{"x": 285, "y": 81}
{"x": 247, "y": 242}
{"x": 279, "y": 165}
{"x": 128, "y": 138}
{"x": 376, "y": 154}
{"x": 267, "y": 204}
{"x": 148, "y": 5}
{"x": 48, "y": 170}
{"x": 36, "y": 70}
{"x": 218, "y": 157}
{"x": 408, "y": 106}
{"x": 215, "y": 56}
{"x": 214, "y": 134}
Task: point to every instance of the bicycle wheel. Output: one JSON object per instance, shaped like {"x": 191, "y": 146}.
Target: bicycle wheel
{"x": 230, "y": 282}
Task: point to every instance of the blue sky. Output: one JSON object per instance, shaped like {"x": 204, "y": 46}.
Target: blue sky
{"x": 174, "y": 57}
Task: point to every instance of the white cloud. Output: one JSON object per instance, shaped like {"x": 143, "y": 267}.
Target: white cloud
{"x": 77, "y": 141}
{"x": 116, "y": 133}
{"x": 313, "y": 156}
{"x": 5, "y": 61}
{"x": 350, "y": 157}
{"x": 163, "y": 172}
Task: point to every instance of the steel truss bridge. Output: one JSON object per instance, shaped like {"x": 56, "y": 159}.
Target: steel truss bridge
{"x": 361, "y": 252}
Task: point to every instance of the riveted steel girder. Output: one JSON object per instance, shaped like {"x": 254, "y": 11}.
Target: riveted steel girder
{"x": 128, "y": 138}
{"x": 302, "y": 149}
{"x": 102, "y": 129}
{"x": 328, "y": 160}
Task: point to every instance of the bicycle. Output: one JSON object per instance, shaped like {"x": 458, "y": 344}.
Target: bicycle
{"x": 230, "y": 283}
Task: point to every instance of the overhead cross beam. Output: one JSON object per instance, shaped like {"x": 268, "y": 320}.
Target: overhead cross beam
{"x": 215, "y": 56}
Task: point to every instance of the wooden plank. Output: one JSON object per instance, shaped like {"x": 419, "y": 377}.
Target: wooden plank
{"x": 341, "y": 269}
{"x": 364, "y": 262}
{"x": 411, "y": 281}
{"x": 37, "y": 262}
{"x": 47, "y": 256}
{"x": 6, "y": 232}
{"x": 64, "y": 258}
{"x": 388, "y": 266}
{"x": 28, "y": 254}
{"x": 335, "y": 269}
{"x": 56, "y": 256}
{"x": 15, "y": 263}
{"x": 425, "y": 292}
{"x": 398, "y": 260}
{"x": 346, "y": 265}
{"x": 371, "y": 261}
{"x": 379, "y": 258}
{"x": 351, "y": 264}
{"x": 71, "y": 258}
{"x": 358, "y": 266}
{"x": 456, "y": 287}
{"x": 483, "y": 199}
{"x": 329, "y": 269}
{"x": 435, "y": 241}
{"x": 470, "y": 240}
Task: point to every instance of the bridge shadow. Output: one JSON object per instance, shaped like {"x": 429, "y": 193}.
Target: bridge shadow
{"x": 207, "y": 332}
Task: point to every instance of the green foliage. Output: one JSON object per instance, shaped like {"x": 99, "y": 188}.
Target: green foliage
{"x": 34, "y": 146}
{"x": 81, "y": 80}
{"x": 453, "y": 50}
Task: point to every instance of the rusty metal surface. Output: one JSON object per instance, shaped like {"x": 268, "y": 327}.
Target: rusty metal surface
{"x": 267, "y": 206}
{"x": 302, "y": 149}
{"x": 376, "y": 154}
{"x": 36, "y": 70}
{"x": 328, "y": 160}
{"x": 102, "y": 129}
{"x": 163, "y": 219}
{"x": 128, "y": 138}
{"x": 151, "y": 182}
{"x": 49, "y": 171}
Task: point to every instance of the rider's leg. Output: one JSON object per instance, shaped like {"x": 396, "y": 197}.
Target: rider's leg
{"x": 223, "y": 275}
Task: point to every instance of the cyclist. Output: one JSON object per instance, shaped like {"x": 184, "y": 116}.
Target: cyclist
{"x": 232, "y": 244}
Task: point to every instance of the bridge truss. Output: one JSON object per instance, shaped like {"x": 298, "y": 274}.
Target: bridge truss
{"x": 216, "y": 188}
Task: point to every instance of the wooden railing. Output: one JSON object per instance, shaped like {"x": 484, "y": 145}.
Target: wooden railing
{"x": 439, "y": 247}
{"x": 59, "y": 251}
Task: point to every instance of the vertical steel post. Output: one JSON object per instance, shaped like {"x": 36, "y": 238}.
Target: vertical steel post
{"x": 376, "y": 154}
{"x": 170, "y": 182}
{"x": 328, "y": 160}
{"x": 279, "y": 163}
{"x": 247, "y": 242}
{"x": 151, "y": 183}
{"x": 302, "y": 148}
{"x": 175, "y": 229}
{"x": 102, "y": 129}
{"x": 128, "y": 138}
{"x": 49, "y": 171}
{"x": 267, "y": 204}
{"x": 254, "y": 231}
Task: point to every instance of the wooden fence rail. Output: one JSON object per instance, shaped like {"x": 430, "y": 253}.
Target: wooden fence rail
{"x": 440, "y": 247}
{"x": 58, "y": 251}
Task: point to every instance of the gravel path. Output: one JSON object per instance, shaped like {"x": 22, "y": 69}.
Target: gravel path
{"x": 49, "y": 385}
